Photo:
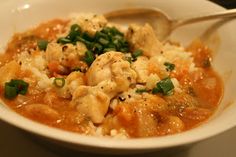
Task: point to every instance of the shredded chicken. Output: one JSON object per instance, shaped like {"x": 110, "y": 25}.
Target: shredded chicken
{"x": 108, "y": 75}
{"x": 112, "y": 66}
{"x": 143, "y": 37}
{"x": 94, "y": 101}
{"x": 72, "y": 81}
{"x": 66, "y": 56}
{"x": 141, "y": 68}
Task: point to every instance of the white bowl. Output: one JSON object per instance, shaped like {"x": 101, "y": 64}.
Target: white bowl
{"x": 18, "y": 15}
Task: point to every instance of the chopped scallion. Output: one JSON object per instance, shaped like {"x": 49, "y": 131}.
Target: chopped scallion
{"x": 169, "y": 66}
{"x": 108, "y": 39}
{"x": 140, "y": 91}
{"x": 63, "y": 40}
{"x": 109, "y": 49}
{"x": 10, "y": 92}
{"x": 42, "y": 45}
{"x": 89, "y": 57}
{"x": 129, "y": 59}
{"x": 103, "y": 41}
{"x": 75, "y": 27}
{"x": 15, "y": 87}
{"x": 77, "y": 69}
{"x": 137, "y": 53}
{"x": 59, "y": 82}
{"x": 165, "y": 87}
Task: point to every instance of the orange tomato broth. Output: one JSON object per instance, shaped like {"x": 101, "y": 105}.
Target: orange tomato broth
{"x": 194, "y": 83}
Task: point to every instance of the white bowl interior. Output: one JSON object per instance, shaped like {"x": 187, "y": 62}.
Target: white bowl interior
{"x": 16, "y": 16}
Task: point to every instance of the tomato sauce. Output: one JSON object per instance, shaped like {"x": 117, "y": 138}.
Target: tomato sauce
{"x": 203, "y": 91}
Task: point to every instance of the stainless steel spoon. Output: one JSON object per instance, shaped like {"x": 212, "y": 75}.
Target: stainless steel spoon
{"x": 161, "y": 22}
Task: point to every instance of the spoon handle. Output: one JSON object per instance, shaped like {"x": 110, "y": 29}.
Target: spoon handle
{"x": 222, "y": 14}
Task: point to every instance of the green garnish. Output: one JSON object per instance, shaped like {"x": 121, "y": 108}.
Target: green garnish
{"x": 109, "y": 49}
{"x": 169, "y": 66}
{"x": 15, "y": 87}
{"x": 165, "y": 87}
{"x": 137, "y": 53}
{"x": 140, "y": 91}
{"x": 75, "y": 31}
{"x": 108, "y": 39}
{"x": 59, "y": 82}
{"x": 10, "y": 92}
{"x": 75, "y": 28}
{"x": 129, "y": 59}
{"x": 42, "y": 45}
{"x": 76, "y": 69}
{"x": 63, "y": 40}
{"x": 89, "y": 57}
{"x": 103, "y": 41}
{"x": 97, "y": 47}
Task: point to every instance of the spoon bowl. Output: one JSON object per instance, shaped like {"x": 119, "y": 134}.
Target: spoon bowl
{"x": 162, "y": 24}
{"x": 156, "y": 18}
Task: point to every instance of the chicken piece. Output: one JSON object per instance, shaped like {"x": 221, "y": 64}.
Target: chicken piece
{"x": 141, "y": 68}
{"x": 34, "y": 59}
{"x": 109, "y": 75}
{"x": 10, "y": 71}
{"x": 156, "y": 66}
{"x": 143, "y": 37}
{"x": 90, "y": 23}
{"x": 72, "y": 54}
{"x": 64, "y": 56}
{"x": 111, "y": 66}
{"x": 53, "y": 52}
{"x": 93, "y": 102}
{"x": 41, "y": 112}
{"x": 73, "y": 80}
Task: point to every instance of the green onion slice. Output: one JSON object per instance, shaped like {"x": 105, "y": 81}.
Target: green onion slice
{"x": 89, "y": 57}
{"x": 42, "y": 45}
{"x": 169, "y": 66}
{"x": 10, "y": 92}
{"x": 137, "y": 53}
{"x": 108, "y": 39}
{"x": 59, "y": 82}
{"x": 63, "y": 40}
{"x": 140, "y": 91}
{"x": 75, "y": 27}
{"x": 165, "y": 87}
{"x": 15, "y": 87}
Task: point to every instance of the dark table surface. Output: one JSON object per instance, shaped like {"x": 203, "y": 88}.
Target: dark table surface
{"x": 230, "y": 4}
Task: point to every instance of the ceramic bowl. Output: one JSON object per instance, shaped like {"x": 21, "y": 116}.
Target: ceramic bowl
{"x": 19, "y": 15}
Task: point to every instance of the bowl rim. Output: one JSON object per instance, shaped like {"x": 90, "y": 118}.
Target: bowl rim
{"x": 149, "y": 143}
{"x": 28, "y": 125}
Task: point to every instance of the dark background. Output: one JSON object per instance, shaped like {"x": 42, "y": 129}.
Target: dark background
{"x": 230, "y": 4}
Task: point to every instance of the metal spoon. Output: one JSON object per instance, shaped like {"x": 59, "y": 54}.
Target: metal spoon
{"x": 161, "y": 22}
